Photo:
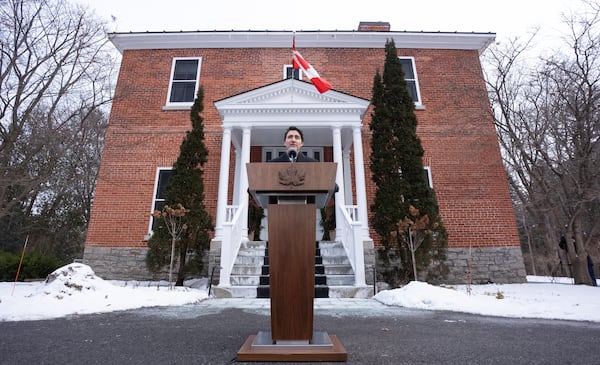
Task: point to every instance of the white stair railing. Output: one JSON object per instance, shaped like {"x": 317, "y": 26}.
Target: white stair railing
{"x": 232, "y": 239}
{"x": 352, "y": 241}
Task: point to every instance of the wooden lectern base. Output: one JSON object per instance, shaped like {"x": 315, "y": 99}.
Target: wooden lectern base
{"x": 260, "y": 347}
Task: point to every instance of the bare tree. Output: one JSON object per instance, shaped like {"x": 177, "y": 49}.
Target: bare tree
{"x": 175, "y": 225}
{"x": 55, "y": 72}
{"x": 56, "y": 69}
{"x": 417, "y": 228}
{"x": 547, "y": 118}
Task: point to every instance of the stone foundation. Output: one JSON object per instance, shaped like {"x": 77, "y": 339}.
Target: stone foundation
{"x": 126, "y": 263}
{"x": 214, "y": 261}
{"x": 370, "y": 262}
{"x": 119, "y": 263}
{"x": 490, "y": 264}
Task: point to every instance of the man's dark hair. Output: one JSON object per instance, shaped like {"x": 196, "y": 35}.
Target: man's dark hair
{"x": 294, "y": 129}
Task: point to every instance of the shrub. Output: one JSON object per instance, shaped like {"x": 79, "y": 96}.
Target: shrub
{"x": 35, "y": 266}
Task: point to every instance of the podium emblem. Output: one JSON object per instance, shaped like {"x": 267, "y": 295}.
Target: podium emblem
{"x": 291, "y": 176}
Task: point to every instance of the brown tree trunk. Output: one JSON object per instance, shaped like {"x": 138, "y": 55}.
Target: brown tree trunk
{"x": 578, "y": 254}
{"x": 182, "y": 257}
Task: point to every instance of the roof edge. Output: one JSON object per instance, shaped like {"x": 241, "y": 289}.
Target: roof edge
{"x": 304, "y": 39}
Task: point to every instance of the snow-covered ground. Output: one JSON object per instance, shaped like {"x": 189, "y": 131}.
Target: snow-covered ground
{"x": 75, "y": 289}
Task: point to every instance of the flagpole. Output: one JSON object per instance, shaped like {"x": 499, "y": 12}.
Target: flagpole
{"x": 19, "y": 268}
{"x": 293, "y": 69}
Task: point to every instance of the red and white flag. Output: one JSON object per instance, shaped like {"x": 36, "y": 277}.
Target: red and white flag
{"x": 299, "y": 62}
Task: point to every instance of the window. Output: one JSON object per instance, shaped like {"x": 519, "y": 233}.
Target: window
{"x": 427, "y": 170}
{"x": 410, "y": 75}
{"x": 288, "y": 71}
{"x": 184, "y": 80}
{"x": 158, "y": 202}
{"x": 270, "y": 153}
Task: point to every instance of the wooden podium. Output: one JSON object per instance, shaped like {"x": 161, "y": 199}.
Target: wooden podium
{"x": 292, "y": 192}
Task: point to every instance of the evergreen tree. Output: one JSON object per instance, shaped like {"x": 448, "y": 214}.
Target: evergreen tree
{"x": 185, "y": 187}
{"x": 397, "y": 171}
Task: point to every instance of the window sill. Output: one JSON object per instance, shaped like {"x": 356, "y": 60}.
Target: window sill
{"x": 186, "y": 106}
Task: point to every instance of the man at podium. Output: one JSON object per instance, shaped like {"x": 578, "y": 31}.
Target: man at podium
{"x": 292, "y": 193}
{"x": 293, "y": 140}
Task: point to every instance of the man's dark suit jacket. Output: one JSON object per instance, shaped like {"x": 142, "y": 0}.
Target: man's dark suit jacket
{"x": 301, "y": 158}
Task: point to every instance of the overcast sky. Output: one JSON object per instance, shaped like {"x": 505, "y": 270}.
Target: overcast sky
{"x": 506, "y": 18}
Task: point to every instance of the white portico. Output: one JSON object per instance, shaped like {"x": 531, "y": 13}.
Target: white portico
{"x": 259, "y": 118}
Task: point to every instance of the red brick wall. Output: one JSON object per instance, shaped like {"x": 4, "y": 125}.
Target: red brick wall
{"x": 455, "y": 128}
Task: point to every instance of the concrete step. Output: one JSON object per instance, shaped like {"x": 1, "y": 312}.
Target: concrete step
{"x": 335, "y": 260}
{"x": 338, "y": 270}
{"x": 245, "y": 280}
{"x": 349, "y": 291}
{"x": 321, "y": 291}
{"x": 340, "y": 280}
{"x": 243, "y": 260}
{"x": 333, "y": 272}
{"x": 246, "y": 270}
{"x": 333, "y": 251}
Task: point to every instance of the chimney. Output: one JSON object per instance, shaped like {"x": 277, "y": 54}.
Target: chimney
{"x": 374, "y": 27}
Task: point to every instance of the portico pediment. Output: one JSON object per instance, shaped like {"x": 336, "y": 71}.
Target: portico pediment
{"x": 295, "y": 99}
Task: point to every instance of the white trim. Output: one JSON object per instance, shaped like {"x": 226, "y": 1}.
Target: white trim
{"x": 291, "y": 102}
{"x": 187, "y": 104}
{"x": 154, "y": 200}
{"x": 306, "y": 39}
{"x": 289, "y": 65}
{"x": 416, "y": 79}
{"x": 429, "y": 178}
{"x": 360, "y": 183}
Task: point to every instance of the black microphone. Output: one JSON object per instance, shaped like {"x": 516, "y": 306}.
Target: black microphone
{"x": 292, "y": 153}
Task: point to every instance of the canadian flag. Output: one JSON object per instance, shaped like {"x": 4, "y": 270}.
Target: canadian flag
{"x": 299, "y": 62}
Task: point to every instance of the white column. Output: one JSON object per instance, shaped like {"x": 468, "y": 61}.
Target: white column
{"x": 223, "y": 184}
{"x": 361, "y": 188}
{"x": 243, "y": 191}
{"x": 236, "y": 174}
{"x": 339, "y": 180}
{"x": 347, "y": 177}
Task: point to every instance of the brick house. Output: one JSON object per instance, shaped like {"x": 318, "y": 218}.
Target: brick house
{"x": 250, "y": 99}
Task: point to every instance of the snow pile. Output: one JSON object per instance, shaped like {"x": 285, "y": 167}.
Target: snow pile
{"x": 73, "y": 279}
{"x": 533, "y": 300}
{"x": 75, "y": 289}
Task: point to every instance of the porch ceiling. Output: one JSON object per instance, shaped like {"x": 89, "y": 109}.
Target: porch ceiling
{"x": 273, "y": 136}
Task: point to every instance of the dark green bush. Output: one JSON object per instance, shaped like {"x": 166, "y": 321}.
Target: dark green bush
{"x": 8, "y": 266}
{"x": 34, "y": 266}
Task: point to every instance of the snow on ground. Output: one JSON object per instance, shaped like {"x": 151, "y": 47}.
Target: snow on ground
{"x": 536, "y": 299}
{"x": 75, "y": 289}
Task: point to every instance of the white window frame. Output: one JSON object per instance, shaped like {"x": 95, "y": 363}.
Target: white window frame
{"x": 185, "y": 104}
{"x": 154, "y": 198}
{"x": 285, "y": 68}
{"x": 415, "y": 80}
{"x": 428, "y": 174}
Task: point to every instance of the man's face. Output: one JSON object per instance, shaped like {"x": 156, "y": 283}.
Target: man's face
{"x": 293, "y": 139}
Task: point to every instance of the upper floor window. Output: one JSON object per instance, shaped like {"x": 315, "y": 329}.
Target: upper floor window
{"x": 183, "y": 87}
{"x": 289, "y": 71}
{"x": 410, "y": 75}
